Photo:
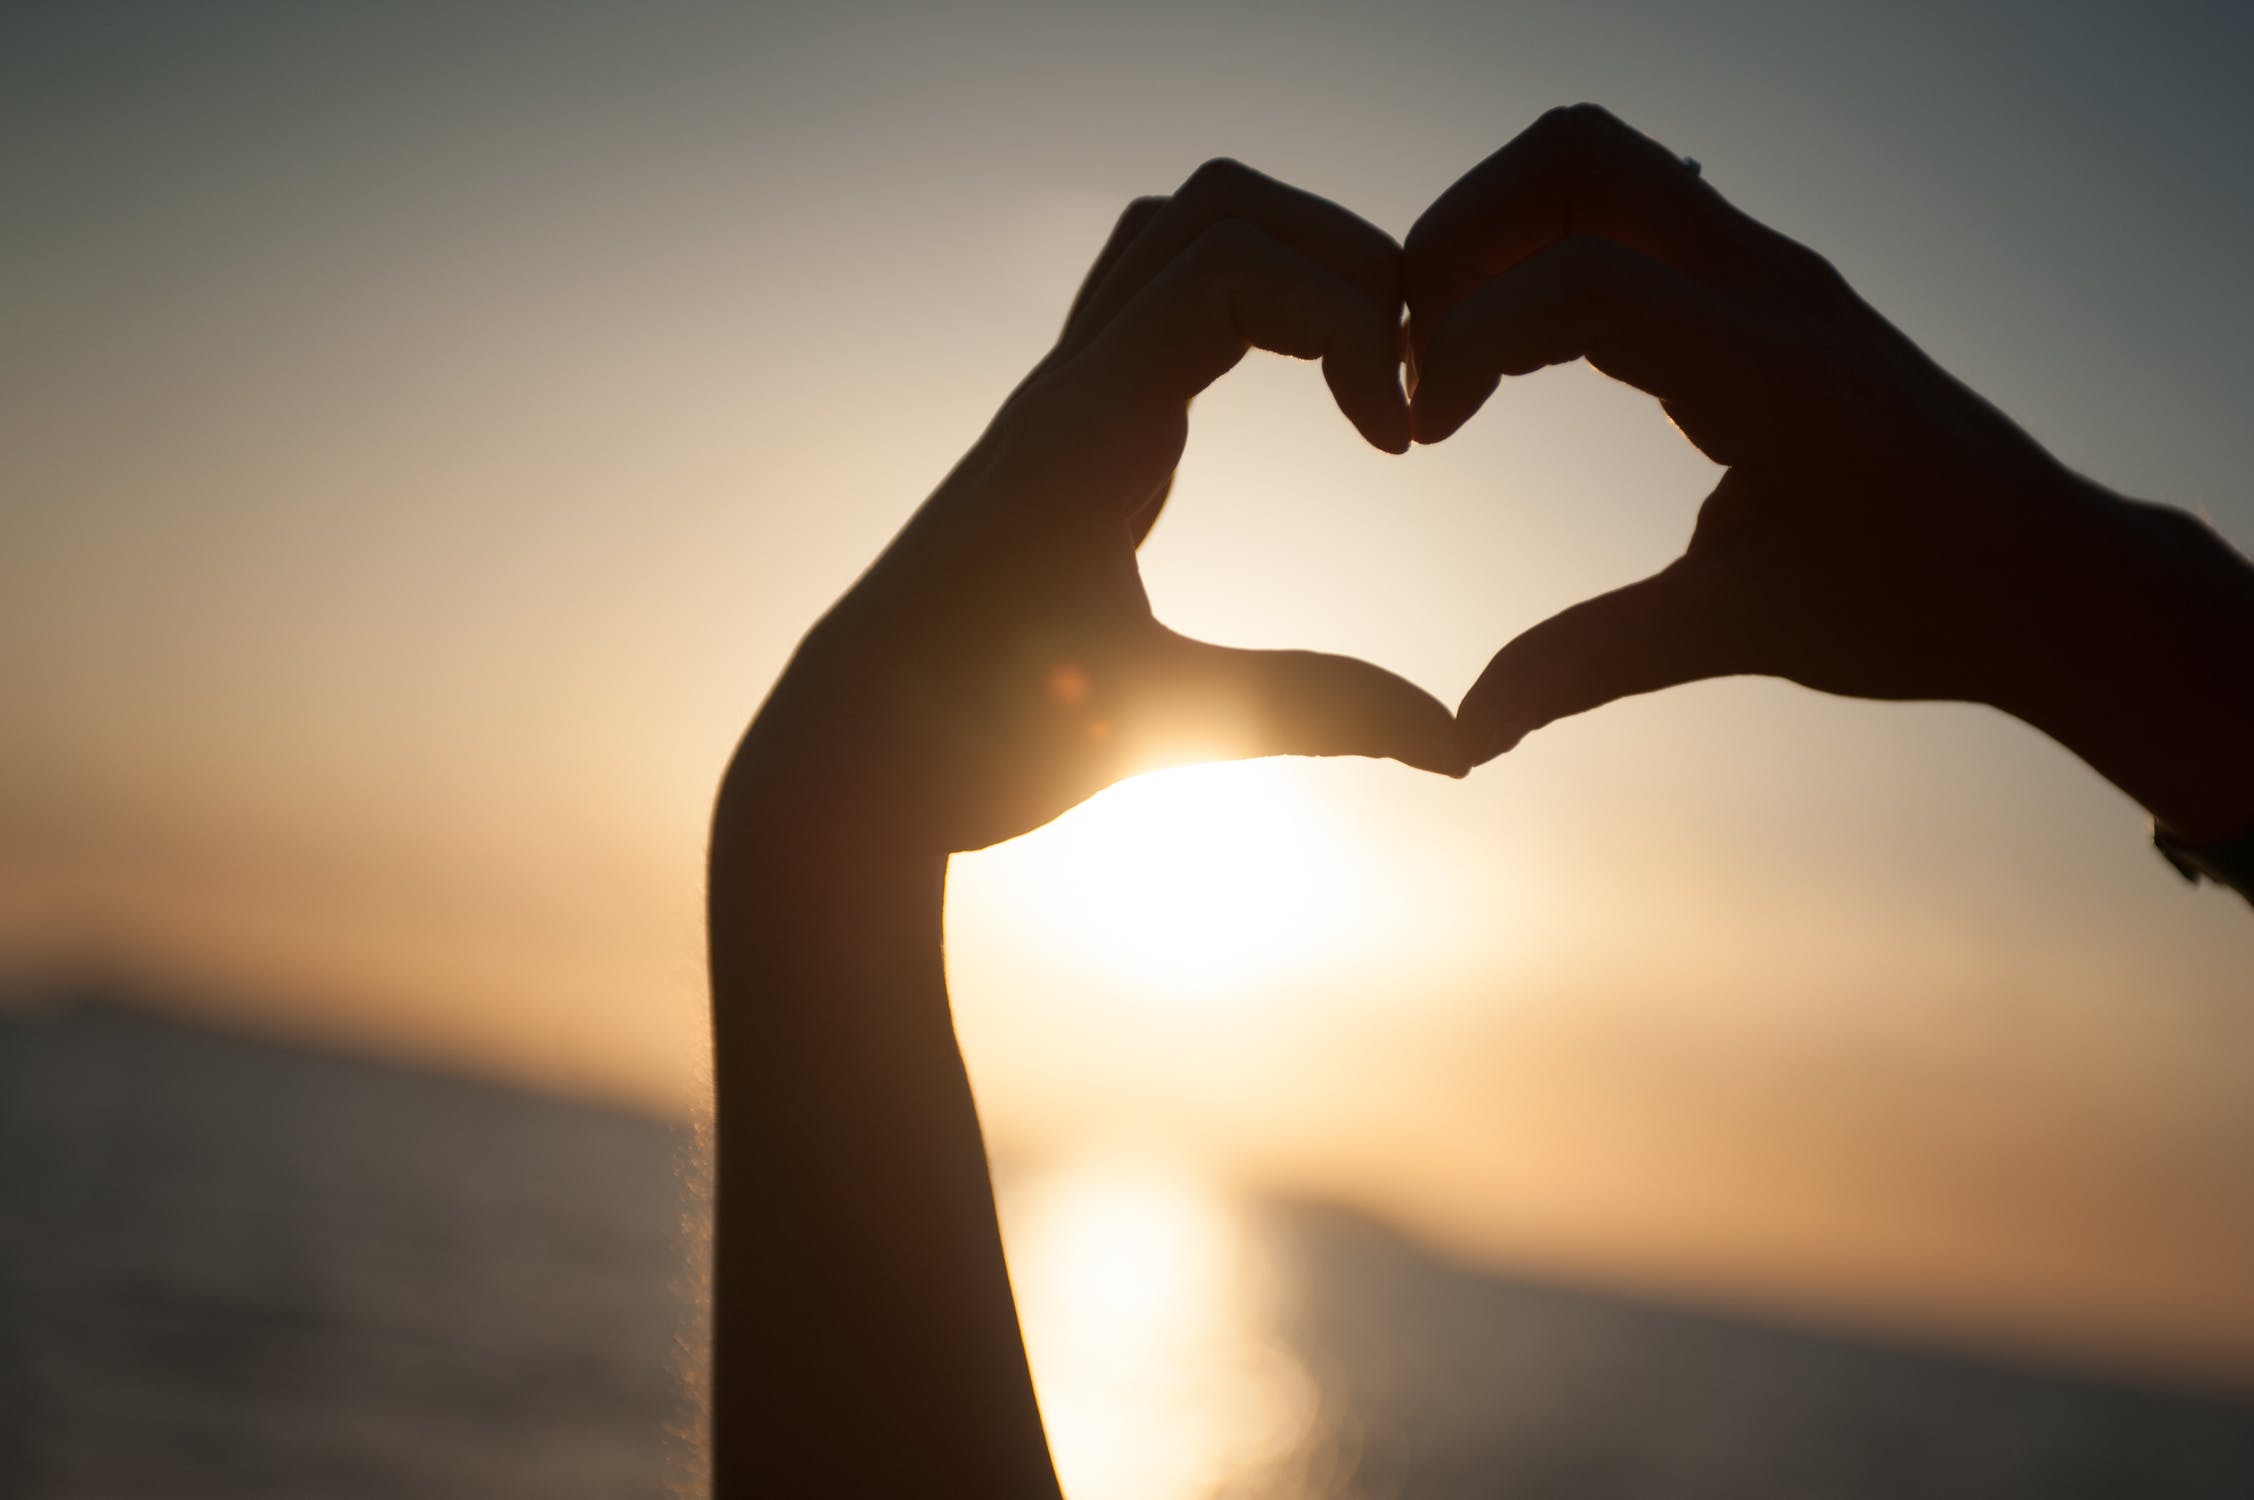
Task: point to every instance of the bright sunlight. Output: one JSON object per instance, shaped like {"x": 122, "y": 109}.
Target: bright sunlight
{"x": 1147, "y": 1301}
{"x": 1200, "y": 881}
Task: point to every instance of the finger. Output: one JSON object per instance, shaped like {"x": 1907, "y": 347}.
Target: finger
{"x": 1133, "y": 220}
{"x": 1236, "y": 288}
{"x": 1576, "y": 170}
{"x": 1201, "y": 701}
{"x": 1132, "y": 223}
{"x": 1633, "y": 317}
{"x": 1364, "y": 255}
{"x": 1683, "y": 624}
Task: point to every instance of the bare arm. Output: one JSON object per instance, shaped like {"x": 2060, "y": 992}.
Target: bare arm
{"x": 865, "y": 1333}
{"x": 997, "y": 665}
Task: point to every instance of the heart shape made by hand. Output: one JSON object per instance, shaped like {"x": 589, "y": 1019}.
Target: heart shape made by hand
{"x": 1001, "y": 661}
{"x": 1871, "y": 503}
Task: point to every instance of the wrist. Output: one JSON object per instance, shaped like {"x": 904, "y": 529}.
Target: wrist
{"x": 798, "y": 884}
{"x": 797, "y": 830}
{"x": 785, "y": 806}
{"x": 2133, "y": 645}
{"x": 802, "y": 776}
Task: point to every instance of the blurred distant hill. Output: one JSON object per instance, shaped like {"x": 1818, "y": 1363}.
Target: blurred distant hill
{"x": 244, "y": 1269}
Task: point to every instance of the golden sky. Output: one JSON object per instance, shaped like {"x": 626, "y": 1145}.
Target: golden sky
{"x": 427, "y": 434}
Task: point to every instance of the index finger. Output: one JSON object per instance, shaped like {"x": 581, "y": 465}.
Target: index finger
{"x": 1576, "y": 170}
{"x": 1362, "y": 254}
{"x": 1235, "y": 289}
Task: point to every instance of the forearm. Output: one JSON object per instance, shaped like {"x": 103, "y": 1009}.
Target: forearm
{"x": 865, "y": 1341}
{"x": 2140, "y": 658}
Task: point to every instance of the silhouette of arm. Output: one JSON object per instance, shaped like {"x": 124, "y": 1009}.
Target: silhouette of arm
{"x": 1881, "y": 531}
{"x": 996, "y": 665}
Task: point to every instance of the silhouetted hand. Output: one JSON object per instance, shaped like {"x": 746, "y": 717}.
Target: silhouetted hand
{"x": 1881, "y": 532}
{"x": 1000, "y": 661}
{"x": 996, "y": 665}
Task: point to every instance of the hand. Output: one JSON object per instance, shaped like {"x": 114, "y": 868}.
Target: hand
{"x": 1873, "y": 508}
{"x": 1881, "y": 531}
{"x": 1000, "y": 662}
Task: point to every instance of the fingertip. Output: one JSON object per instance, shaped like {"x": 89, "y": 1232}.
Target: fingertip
{"x": 1464, "y": 750}
{"x": 1397, "y": 430}
{"x": 1496, "y": 744}
{"x": 1380, "y": 413}
{"x": 1386, "y": 429}
{"x": 1400, "y": 721}
{"x": 1428, "y": 424}
{"x": 1365, "y": 379}
{"x": 1484, "y": 730}
{"x": 1437, "y": 737}
{"x": 1447, "y": 395}
{"x": 1443, "y": 754}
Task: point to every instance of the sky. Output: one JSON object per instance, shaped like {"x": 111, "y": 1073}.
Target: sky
{"x": 428, "y": 430}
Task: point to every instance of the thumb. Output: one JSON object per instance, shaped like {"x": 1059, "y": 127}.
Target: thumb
{"x": 1683, "y": 624}
{"x": 1218, "y": 702}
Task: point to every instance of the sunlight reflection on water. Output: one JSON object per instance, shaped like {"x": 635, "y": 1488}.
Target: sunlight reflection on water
{"x": 1149, "y": 1303}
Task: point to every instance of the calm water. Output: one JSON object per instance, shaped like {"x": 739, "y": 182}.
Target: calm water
{"x": 231, "y": 1269}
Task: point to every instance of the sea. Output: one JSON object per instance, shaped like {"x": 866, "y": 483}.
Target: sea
{"x": 235, "y": 1268}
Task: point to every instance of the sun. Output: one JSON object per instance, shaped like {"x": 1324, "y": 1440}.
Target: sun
{"x": 1198, "y": 881}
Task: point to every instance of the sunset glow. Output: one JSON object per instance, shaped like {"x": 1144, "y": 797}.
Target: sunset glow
{"x": 439, "y": 426}
{"x": 1144, "y": 1298}
{"x": 1196, "y": 884}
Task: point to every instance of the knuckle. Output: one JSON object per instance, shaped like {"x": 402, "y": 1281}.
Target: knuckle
{"x": 1142, "y": 209}
{"x": 1810, "y": 276}
{"x": 1219, "y": 180}
{"x": 1578, "y": 129}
